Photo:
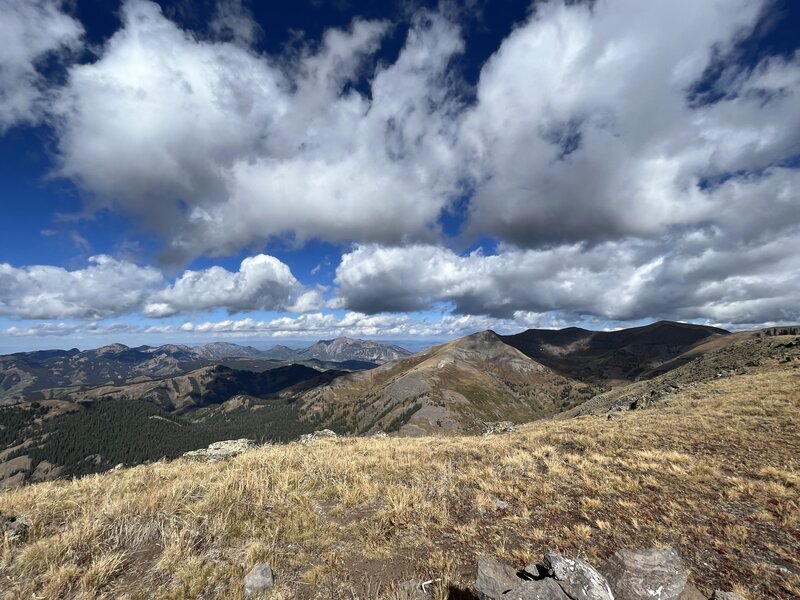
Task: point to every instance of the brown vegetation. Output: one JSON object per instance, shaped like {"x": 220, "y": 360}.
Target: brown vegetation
{"x": 713, "y": 470}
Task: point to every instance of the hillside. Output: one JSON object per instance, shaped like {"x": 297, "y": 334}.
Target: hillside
{"x": 448, "y": 388}
{"x": 201, "y": 387}
{"x": 714, "y": 358}
{"x": 26, "y": 372}
{"x": 610, "y": 356}
{"x": 22, "y": 374}
{"x": 713, "y": 472}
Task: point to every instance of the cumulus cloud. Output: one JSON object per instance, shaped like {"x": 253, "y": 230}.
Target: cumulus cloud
{"x": 261, "y": 283}
{"x": 630, "y": 165}
{"x": 699, "y": 275}
{"x": 105, "y": 288}
{"x": 215, "y": 146}
{"x": 109, "y": 287}
{"x": 31, "y": 31}
{"x": 588, "y": 125}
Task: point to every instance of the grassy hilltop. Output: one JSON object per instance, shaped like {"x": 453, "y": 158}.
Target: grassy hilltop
{"x": 714, "y": 470}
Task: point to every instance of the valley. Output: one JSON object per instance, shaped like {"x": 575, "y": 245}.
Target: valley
{"x": 74, "y": 413}
{"x": 702, "y": 457}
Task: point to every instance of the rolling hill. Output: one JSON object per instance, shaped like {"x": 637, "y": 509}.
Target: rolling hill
{"x": 610, "y": 356}
{"x": 448, "y": 388}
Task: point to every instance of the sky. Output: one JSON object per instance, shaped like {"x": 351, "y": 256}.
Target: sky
{"x": 408, "y": 171}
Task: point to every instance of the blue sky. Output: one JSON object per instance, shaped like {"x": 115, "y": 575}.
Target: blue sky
{"x": 249, "y": 171}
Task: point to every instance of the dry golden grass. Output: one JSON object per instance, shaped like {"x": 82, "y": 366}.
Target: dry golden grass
{"x": 716, "y": 472}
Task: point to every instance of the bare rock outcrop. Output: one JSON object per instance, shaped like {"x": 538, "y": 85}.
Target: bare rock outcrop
{"x": 654, "y": 574}
{"x": 323, "y": 434}
{"x": 221, "y": 450}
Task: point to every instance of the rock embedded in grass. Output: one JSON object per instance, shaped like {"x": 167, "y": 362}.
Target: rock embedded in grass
{"x": 494, "y": 578}
{"x": 577, "y": 578}
{"x": 496, "y": 581}
{"x": 13, "y": 528}
{"x": 647, "y": 574}
{"x": 258, "y": 579}
{"x": 323, "y": 434}
{"x": 221, "y": 450}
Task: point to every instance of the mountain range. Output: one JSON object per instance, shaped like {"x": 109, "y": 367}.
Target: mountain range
{"x": 26, "y": 372}
{"x": 120, "y": 404}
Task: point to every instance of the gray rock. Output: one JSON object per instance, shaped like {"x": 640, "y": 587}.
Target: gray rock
{"x": 323, "y": 434}
{"x": 258, "y": 579}
{"x": 494, "y": 579}
{"x": 692, "y": 593}
{"x": 653, "y": 574}
{"x": 577, "y": 578}
{"x": 720, "y": 595}
{"x": 221, "y": 450}
{"x": 13, "y": 528}
{"x": 543, "y": 589}
{"x": 535, "y": 571}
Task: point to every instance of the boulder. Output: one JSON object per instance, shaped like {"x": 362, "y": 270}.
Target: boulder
{"x": 692, "y": 593}
{"x": 543, "y": 589}
{"x": 720, "y": 595}
{"x": 494, "y": 579}
{"x": 323, "y": 434}
{"x": 497, "y": 581}
{"x": 13, "y": 528}
{"x": 258, "y": 579}
{"x": 578, "y": 579}
{"x": 221, "y": 450}
{"x": 655, "y": 574}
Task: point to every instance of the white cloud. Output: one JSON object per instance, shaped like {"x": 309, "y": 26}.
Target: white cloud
{"x": 107, "y": 287}
{"x": 30, "y": 30}
{"x": 262, "y": 283}
{"x": 215, "y": 147}
{"x": 585, "y": 128}
{"x": 702, "y": 275}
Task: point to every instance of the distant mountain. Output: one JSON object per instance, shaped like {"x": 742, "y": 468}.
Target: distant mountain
{"x": 220, "y": 350}
{"x": 344, "y": 348}
{"x": 613, "y": 356}
{"x": 24, "y": 372}
{"x": 448, "y": 388}
{"x": 200, "y": 387}
{"x": 27, "y": 372}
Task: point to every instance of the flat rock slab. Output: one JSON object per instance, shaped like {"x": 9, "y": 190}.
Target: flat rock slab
{"x": 655, "y": 574}
{"x": 221, "y": 450}
{"x": 543, "y": 589}
{"x": 577, "y": 578}
{"x": 494, "y": 579}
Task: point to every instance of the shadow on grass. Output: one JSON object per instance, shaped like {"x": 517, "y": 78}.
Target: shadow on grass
{"x": 457, "y": 593}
